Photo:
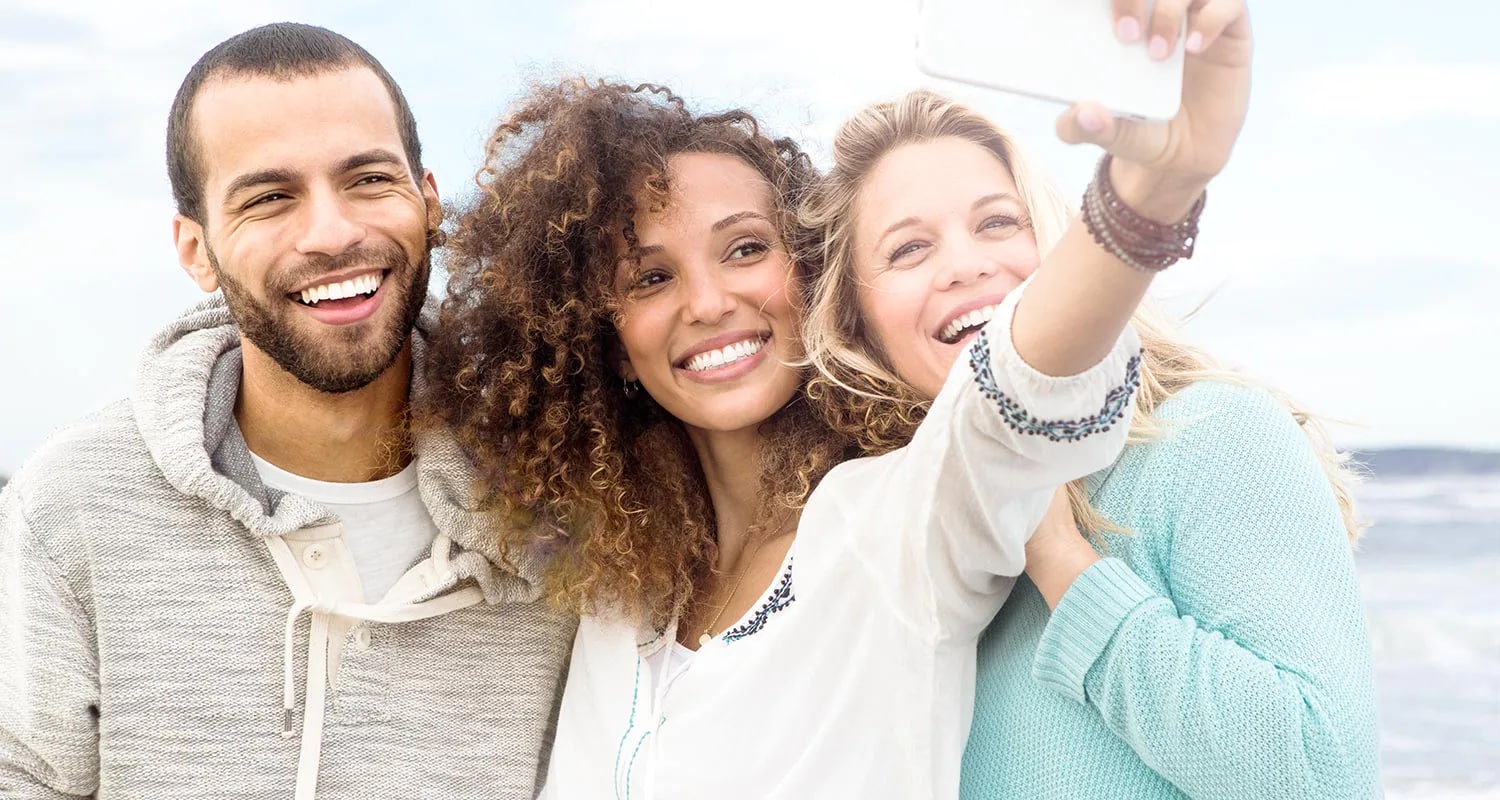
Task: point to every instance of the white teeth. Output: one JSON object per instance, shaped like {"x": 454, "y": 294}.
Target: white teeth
{"x": 973, "y": 319}
{"x": 364, "y": 284}
{"x": 724, "y": 355}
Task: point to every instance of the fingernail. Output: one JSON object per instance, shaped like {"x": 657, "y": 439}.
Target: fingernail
{"x": 1158, "y": 47}
{"x": 1091, "y": 120}
{"x": 1128, "y": 29}
{"x": 1194, "y": 42}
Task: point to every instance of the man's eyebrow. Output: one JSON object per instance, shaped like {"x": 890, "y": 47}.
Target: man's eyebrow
{"x": 368, "y": 157}
{"x": 266, "y": 176}
{"x": 258, "y": 178}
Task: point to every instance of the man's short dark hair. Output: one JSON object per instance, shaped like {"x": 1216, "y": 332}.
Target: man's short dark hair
{"x": 282, "y": 51}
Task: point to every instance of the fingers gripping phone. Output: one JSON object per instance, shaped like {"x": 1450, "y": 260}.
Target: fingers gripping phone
{"x": 1061, "y": 50}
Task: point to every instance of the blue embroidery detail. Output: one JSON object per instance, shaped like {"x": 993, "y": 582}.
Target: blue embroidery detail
{"x": 780, "y": 598}
{"x": 630, "y": 769}
{"x": 1057, "y": 430}
{"x": 629, "y": 726}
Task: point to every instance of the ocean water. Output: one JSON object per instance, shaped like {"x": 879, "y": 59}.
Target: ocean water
{"x": 1430, "y": 573}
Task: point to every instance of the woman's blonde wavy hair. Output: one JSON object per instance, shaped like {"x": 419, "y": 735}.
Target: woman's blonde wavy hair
{"x": 856, "y": 385}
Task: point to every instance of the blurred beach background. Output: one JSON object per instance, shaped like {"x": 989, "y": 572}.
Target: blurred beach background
{"x": 1347, "y": 252}
{"x": 1430, "y": 571}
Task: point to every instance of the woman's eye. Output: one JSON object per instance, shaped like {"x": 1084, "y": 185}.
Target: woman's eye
{"x": 999, "y": 222}
{"x": 748, "y": 249}
{"x": 650, "y": 279}
{"x": 905, "y": 253}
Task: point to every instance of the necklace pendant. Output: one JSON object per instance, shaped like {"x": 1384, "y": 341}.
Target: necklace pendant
{"x": 704, "y": 639}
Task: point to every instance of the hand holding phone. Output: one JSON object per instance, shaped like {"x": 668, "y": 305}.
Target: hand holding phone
{"x": 1161, "y": 163}
{"x": 1068, "y": 51}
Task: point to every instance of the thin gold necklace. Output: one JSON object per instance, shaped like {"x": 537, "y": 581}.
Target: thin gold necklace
{"x": 706, "y": 637}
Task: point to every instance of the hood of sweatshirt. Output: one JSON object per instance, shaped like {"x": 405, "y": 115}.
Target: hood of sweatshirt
{"x": 184, "y": 396}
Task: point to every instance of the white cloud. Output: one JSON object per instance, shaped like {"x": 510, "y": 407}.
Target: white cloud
{"x": 1386, "y": 92}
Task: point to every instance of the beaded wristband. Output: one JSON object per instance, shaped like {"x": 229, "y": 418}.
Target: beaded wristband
{"x": 1140, "y": 243}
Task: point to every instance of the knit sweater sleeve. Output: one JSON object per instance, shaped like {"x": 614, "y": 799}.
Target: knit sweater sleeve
{"x": 48, "y": 671}
{"x": 1251, "y": 675}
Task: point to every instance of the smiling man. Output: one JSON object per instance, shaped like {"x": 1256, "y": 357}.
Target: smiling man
{"x": 251, "y": 578}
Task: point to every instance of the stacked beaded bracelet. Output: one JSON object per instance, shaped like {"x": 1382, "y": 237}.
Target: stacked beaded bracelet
{"x": 1139, "y": 242}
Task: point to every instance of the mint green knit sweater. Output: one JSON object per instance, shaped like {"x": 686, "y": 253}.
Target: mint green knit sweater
{"x": 1219, "y": 652}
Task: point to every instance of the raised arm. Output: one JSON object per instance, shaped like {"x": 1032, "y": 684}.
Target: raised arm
{"x": 1084, "y": 293}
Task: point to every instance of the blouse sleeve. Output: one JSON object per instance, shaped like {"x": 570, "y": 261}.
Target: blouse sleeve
{"x": 942, "y": 524}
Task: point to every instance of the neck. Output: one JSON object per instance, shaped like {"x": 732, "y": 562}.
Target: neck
{"x": 732, "y": 471}
{"x": 341, "y": 438}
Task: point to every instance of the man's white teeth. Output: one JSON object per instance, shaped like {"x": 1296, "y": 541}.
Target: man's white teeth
{"x": 364, "y": 284}
{"x": 973, "y": 319}
{"x": 724, "y": 355}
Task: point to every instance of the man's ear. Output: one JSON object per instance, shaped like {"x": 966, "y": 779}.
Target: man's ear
{"x": 434, "y": 202}
{"x": 192, "y": 252}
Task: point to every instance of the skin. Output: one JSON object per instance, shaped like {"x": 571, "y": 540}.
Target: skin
{"x": 319, "y": 190}
{"x": 928, "y": 251}
{"x": 712, "y": 271}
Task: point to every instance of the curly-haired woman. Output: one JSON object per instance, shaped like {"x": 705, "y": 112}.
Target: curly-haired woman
{"x": 618, "y": 350}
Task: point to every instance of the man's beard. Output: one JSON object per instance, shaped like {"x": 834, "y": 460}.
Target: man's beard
{"x": 343, "y": 358}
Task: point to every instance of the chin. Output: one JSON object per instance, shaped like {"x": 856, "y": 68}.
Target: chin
{"x": 727, "y": 415}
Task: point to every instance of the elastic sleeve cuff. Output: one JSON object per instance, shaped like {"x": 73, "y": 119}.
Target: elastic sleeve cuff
{"x": 1085, "y": 620}
{"x": 1066, "y": 408}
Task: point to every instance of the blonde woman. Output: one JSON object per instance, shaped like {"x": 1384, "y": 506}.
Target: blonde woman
{"x": 1206, "y": 638}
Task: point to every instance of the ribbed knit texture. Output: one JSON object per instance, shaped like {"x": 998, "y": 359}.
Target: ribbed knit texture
{"x": 1218, "y": 652}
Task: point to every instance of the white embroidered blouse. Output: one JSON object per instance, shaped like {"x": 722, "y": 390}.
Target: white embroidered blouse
{"x": 854, "y": 674}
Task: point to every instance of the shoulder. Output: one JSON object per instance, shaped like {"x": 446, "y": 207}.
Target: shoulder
{"x": 1220, "y": 446}
{"x": 78, "y": 462}
{"x": 1223, "y": 424}
{"x": 1219, "y": 405}
{"x": 1215, "y": 438}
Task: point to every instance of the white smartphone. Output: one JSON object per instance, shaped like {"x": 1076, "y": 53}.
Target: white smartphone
{"x": 1061, "y": 50}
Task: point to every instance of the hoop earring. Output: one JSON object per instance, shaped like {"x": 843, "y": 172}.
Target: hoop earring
{"x": 629, "y": 387}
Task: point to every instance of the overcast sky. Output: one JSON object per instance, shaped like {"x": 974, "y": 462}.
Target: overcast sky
{"x": 1350, "y": 248}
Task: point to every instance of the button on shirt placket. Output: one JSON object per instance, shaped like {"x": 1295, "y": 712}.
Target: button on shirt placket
{"x": 315, "y": 556}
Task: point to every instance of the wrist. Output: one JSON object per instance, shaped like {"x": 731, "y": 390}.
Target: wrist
{"x": 1164, "y": 199}
{"x": 1054, "y": 563}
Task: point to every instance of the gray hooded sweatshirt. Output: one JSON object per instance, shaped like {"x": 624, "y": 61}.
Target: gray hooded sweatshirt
{"x": 165, "y": 618}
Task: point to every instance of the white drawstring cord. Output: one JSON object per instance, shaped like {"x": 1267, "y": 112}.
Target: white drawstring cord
{"x": 317, "y": 647}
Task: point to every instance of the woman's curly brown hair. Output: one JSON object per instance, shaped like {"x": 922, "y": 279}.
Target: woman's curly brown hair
{"x": 522, "y": 365}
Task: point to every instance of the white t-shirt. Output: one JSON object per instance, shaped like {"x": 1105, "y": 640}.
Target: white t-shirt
{"x": 387, "y": 528}
{"x": 853, "y": 676}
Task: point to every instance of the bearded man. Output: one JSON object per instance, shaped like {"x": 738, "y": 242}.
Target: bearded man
{"x": 251, "y": 578}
